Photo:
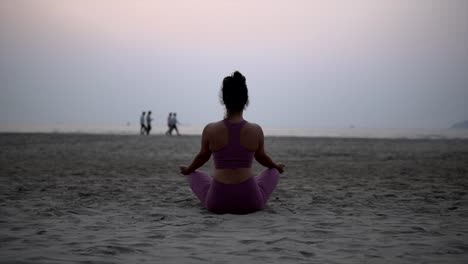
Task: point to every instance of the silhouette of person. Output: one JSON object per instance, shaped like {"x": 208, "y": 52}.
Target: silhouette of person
{"x": 169, "y": 124}
{"x": 142, "y": 124}
{"x": 174, "y": 123}
{"x": 148, "y": 122}
{"x": 234, "y": 143}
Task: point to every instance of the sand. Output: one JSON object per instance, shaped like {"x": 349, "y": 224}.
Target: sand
{"x": 76, "y": 198}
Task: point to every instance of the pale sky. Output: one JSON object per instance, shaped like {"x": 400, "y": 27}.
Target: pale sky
{"x": 308, "y": 64}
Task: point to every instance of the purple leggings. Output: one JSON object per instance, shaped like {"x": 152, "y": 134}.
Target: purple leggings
{"x": 242, "y": 198}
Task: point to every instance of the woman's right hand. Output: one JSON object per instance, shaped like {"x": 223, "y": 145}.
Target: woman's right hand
{"x": 184, "y": 170}
{"x": 280, "y": 167}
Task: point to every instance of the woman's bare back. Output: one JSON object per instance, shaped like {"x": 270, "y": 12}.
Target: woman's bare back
{"x": 218, "y": 137}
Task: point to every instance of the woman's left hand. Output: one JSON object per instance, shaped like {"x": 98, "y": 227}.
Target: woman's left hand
{"x": 184, "y": 170}
{"x": 280, "y": 167}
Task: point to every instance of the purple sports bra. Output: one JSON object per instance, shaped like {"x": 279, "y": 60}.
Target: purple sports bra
{"x": 233, "y": 155}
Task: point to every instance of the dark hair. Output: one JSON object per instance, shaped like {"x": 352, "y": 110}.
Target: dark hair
{"x": 234, "y": 93}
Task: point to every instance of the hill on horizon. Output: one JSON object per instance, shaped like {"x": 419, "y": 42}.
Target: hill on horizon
{"x": 462, "y": 124}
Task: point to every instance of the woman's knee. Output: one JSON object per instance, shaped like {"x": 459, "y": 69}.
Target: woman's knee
{"x": 270, "y": 172}
{"x": 268, "y": 178}
{"x": 198, "y": 178}
{"x": 274, "y": 171}
{"x": 199, "y": 183}
{"x": 198, "y": 174}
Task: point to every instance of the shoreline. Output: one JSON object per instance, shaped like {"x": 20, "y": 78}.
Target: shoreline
{"x": 124, "y": 134}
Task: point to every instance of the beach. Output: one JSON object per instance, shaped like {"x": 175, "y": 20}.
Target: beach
{"x": 88, "y": 198}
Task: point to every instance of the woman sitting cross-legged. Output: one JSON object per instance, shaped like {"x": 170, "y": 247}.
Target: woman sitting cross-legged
{"x": 234, "y": 143}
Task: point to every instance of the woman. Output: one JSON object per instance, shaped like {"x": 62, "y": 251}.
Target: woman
{"x": 234, "y": 143}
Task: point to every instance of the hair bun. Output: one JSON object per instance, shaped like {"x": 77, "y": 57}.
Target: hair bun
{"x": 238, "y": 77}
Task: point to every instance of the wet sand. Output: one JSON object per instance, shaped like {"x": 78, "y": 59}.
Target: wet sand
{"x": 77, "y": 198}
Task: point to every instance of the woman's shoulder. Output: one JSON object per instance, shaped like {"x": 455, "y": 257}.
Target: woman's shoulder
{"x": 252, "y": 124}
{"x": 213, "y": 126}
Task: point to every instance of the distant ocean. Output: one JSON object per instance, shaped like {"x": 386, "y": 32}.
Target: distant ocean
{"x": 409, "y": 133}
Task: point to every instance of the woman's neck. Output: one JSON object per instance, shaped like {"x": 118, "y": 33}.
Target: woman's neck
{"x": 235, "y": 117}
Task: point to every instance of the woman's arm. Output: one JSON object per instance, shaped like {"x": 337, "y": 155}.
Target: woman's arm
{"x": 202, "y": 157}
{"x": 263, "y": 158}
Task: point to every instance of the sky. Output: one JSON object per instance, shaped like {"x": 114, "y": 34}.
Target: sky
{"x": 308, "y": 63}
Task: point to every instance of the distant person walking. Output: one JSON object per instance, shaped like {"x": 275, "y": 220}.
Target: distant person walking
{"x": 148, "y": 122}
{"x": 142, "y": 124}
{"x": 169, "y": 124}
{"x": 174, "y": 123}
